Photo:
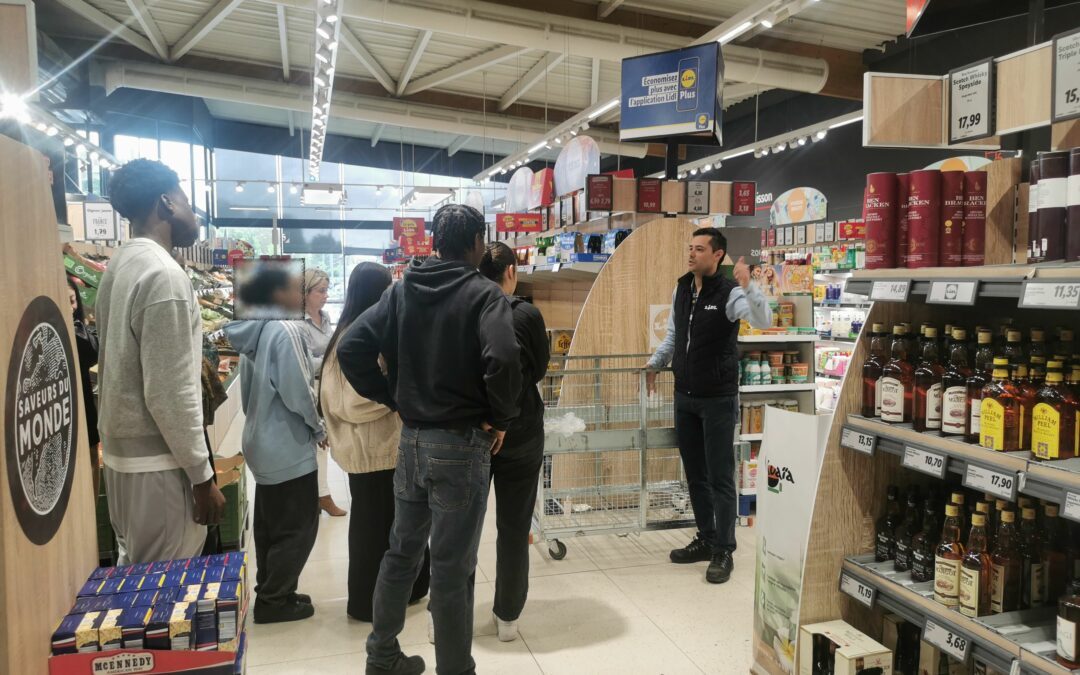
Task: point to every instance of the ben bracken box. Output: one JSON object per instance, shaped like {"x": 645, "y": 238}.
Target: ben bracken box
{"x": 854, "y": 651}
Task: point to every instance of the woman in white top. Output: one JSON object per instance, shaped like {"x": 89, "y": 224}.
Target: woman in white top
{"x": 317, "y": 331}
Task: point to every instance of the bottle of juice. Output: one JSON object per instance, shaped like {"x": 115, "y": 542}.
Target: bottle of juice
{"x": 875, "y": 362}
{"x": 1053, "y": 418}
{"x": 1000, "y": 413}
{"x": 947, "y": 559}
{"x": 1006, "y": 566}
{"x": 897, "y": 384}
{"x": 954, "y": 386}
{"x": 975, "y": 571}
{"x": 926, "y": 402}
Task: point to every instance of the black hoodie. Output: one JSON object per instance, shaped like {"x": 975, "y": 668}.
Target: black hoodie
{"x": 447, "y": 337}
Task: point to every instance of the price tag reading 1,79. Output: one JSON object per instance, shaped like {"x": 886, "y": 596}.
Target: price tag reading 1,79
{"x": 892, "y": 290}
{"x": 863, "y": 593}
{"x": 925, "y": 461}
{"x": 998, "y": 483}
{"x": 1056, "y": 294}
{"x": 948, "y": 641}
{"x": 857, "y": 441}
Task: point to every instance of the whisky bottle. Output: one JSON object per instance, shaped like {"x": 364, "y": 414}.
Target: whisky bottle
{"x": 980, "y": 377}
{"x": 1027, "y": 393}
{"x": 946, "y": 340}
{"x": 1006, "y": 566}
{"x": 984, "y": 352}
{"x": 954, "y": 386}
{"x": 926, "y": 402}
{"x": 1064, "y": 344}
{"x": 947, "y": 560}
{"x": 1014, "y": 346}
{"x": 871, "y": 402}
{"x": 1037, "y": 371}
{"x": 1054, "y": 559}
{"x": 1053, "y": 418}
{"x": 897, "y": 384}
{"x": 924, "y": 543}
{"x": 964, "y": 513}
{"x": 907, "y": 530}
{"x": 885, "y": 542}
{"x": 1000, "y": 410}
{"x": 1038, "y": 344}
{"x": 975, "y": 571}
{"x": 907, "y": 336}
{"x": 1032, "y": 581}
{"x": 1072, "y": 550}
{"x": 1068, "y": 616}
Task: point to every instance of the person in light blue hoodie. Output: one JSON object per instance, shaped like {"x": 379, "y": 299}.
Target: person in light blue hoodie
{"x": 281, "y": 433}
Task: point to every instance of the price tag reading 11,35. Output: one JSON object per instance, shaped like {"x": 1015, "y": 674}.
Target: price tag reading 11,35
{"x": 857, "y": 441}
{"x": 893, "y": 290}
{"x": 863, "y": 593}
{"x": 925, "y": 461}
{"x": 999, "y": 483}
{"x": 1056, "y": 294}
{"x": 952, "y": 643}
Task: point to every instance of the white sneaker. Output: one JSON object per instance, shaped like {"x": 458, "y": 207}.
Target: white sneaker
{"x": 508, "y": 630}
{"x": 430, "y": 628}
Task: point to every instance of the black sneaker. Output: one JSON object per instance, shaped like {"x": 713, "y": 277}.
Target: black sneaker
{"x": 289, "y": 611}
{"x": 720, "y": 568}
{"x": 403, "y": 665}
{"x": 302, "y": 598}
{"x": 696, "y": 551}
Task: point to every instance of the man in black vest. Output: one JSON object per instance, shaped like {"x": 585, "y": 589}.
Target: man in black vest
{"x": 702, "y": 346}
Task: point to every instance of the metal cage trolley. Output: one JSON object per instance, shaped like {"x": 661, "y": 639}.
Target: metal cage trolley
{"x": 611, "y": 459}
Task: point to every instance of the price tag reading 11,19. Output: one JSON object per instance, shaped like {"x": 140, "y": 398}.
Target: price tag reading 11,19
{"x": 857, "y": 441}
{"x": 999, "y": 483}
{"x": 925, "y": 461}
{"x": 892, "y": 290}
{"x": 863, "y": 593}
{"x": 1056, "y": 294}
{"x": 952, "y": 643}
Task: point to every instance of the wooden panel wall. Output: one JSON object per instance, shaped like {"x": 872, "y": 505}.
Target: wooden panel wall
{"x": 1002, "y": 177}
{"x": 17, "y": 69}
{"x": 904, "y": 111}
{"x": 560, "y": 303}
{"x": 1065, "y": 135}
{"x": 1023, "y": 89}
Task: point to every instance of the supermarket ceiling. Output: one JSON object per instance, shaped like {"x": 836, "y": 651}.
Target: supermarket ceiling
{"x": 479, "y": 76}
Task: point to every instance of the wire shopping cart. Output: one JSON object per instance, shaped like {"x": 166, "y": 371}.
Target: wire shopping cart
{"x": 622, "y": 473}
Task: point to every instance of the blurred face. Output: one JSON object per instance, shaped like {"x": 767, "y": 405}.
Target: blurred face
{"x": 702, "y": 259}
{"x": 290, "y": 297}
{"x": 182, "y": 222}
{"x": 316, "y": 298}
{"x": 72, "y": 298}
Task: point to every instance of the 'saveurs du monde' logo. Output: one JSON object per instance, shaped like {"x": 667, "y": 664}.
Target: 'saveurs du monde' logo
{"x": 41, "y": 419}
{"x": 777, "y": 476}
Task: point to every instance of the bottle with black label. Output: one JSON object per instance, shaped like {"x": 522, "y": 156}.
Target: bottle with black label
{"x": 1006, "y": 566}
{"x": 924, "y": 543}
{"x": 954, "y": 386}
{"x": 1014, "y": 346}
{"x": 1054, "y": 558}
{"x": 885, "y": 543}
{"x": 1037, "y": 346}
{"x": 1064, "y": 344}
{"x": 871, "y": 399}
{"x": 926, "y": 402}
{"x": 897, "y": 384}
{"x": 1068, "y": 616}
{"x": 1032, "y": 581}
{"x": 907, "y": 530}
{"x": 975, "y": 571}
{"x": 947, "y": 560}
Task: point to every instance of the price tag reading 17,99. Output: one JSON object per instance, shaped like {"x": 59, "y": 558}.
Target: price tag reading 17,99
{"x": 1056, "y": 294}
{"x": 925, "y": 461}
{"x": 857, "y": 441}
{"x": 863, "y": 593}
{"x": 948, "y": 641}
{"x": 893, "y": 290}
{"x": 999, "y": 483}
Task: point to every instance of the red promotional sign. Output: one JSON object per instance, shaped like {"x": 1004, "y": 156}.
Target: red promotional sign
{"x": 743, "y": 198}
{"x": 543, "y": 188}
{"x": 519, "y": 222}
{"x": 852, "y": 229}
{"x": 648, "y": 195}
{"x": 235, "y": 255}
{"x": 600, "y": 192}
{"x": 772, "y": 236}
{"x": 411, "y": 246}
{"x": 621, "y": 173}
{"x": 408, "y": 227}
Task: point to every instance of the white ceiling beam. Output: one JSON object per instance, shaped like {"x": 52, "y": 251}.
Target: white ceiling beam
{"x": 544, "y": 66}
{"x": 150, "y": 28}
{"x": 202, "y": 28}
{"x": 457, "y": 144}
{"x": 594, "y": 94}
{"x": 463, "y": 68}
{"x": 115, "y": 28}
{"x": 367, "y": 59}
{"x": 377, "y": 134}
{"x": 745, "y": 15}
{"x": 414, "y": 59}
{"x": 283, "y": 39}
{"x": 606, "y": 8}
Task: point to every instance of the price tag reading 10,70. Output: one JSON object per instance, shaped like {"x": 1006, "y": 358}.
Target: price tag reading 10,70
{"x": 953, "y": 644}
{"x": 925, "y": 461}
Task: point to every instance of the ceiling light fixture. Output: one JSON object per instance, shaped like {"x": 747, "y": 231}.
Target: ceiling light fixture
{"x": 604, "y": 108}
{"x": 319, "y": 81}
{"x": 706, "y": 168}
{"x": 331, "y": 18}
{"x": 768, "y": 20}
{"x": 846, "y": 122}
{"x": 271, "y": 188}
{"x": 802, "y": 140}
{"x": 323, "y": 32}
{"x": 820, "y": 135}
{"x": 239, "y": 187}
{"x": 537, "y": 147}
{"x": 293, "y": 189}
{"x": 322, "y": 57}
{"x": 735, "y": 32}
{"x": 693, "y": 172}
{"x": 14, "y": 107}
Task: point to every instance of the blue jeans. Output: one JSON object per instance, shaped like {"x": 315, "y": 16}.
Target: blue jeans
{"x": 441, "y": 488}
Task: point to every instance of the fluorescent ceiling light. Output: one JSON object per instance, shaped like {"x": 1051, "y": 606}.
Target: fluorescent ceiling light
{"x": 319, "y": 81}
{"x": 249, "y": 208}
{"x": 736, "y": 154}
{"x": 323, "y": 32}
{"x": 423, "y": 198}
{"x": 538, "y": 146}
{"x": 846, "y": 122}
{"x": 735, "y": 32}
{"x": 604, "y": 108}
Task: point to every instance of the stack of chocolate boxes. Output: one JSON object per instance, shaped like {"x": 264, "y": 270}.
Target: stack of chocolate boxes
{"x": 189, "y": 604}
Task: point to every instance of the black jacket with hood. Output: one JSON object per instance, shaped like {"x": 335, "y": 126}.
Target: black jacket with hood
{"x": 447, "y": 337}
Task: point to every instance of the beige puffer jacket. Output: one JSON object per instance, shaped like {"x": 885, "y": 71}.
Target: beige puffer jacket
{"x": 363, "y": 434}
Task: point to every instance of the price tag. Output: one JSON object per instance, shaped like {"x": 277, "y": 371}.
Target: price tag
{"x": 863, "y": 593}
{"x": 100, "y": 219}
{"x": 895, "y": 290}
{"x": 857, "y": 441}
{"x": 556, "y": 267}
{"x": 1071, "y": 506}
{"x": 971, "y": 93}
{"x": 952, "y": 643}
{"x": 1065, "y": 100}
{"x": 923, "y": 460}
{"x": 998, "y": 483}
{"x": 952, "y": 292}
{"x": 1055, "y": 294}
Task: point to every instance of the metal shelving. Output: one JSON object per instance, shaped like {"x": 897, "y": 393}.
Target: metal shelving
{"x": 550, "y": 272}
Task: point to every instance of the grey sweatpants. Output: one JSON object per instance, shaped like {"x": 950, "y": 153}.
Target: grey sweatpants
{"x": 153, "y": 516}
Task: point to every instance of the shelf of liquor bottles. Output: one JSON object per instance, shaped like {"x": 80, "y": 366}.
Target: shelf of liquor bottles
{"x": 1037, "y": 286}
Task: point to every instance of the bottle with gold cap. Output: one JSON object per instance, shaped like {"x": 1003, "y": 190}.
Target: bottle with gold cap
{"x": 946, "y": 340}
{"x": 954, "y": 386}
{"x": 926, "y": 402}
{"x": 1054, "y": 558}
{"x": 999, "y": 426}
{"x": 975, "y": 571}
{"x": 948, "y": 558}
{"x": 1032, "y": 578}
{"x": 1037, "y": 346}
{"x": 871, "y": 402}
{"x": 1064, "y": 344}
{"x": 980, "y": 377}
{"x": 1014, "y": 346}
{"x": 1026, "y": 392}
{"x": 1006, "y": 566}
{"x": 1053, "y": 418}
{"x": 1037, "y": 371}
{"x": 964, "y": 513}
{"x": 897, "y": 384}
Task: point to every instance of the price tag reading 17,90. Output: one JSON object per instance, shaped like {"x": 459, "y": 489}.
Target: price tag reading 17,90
{"x": 892, "y": 290}
{"x": 999, "y": 483}
{"x": 1056, "y": 294}
{"x": 952, "y": 643}
{"x": 925, "y": 461}
{"x": 857, "y": 441}
{"x": 863, "y": 593}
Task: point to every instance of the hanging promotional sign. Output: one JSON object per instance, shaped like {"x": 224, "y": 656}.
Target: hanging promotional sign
{"x": 672, "y": 93}
{"x": 600, "y": 192}
{"x": 408, "y": 227}
{"x": 971, "y": 102}
{"x": 798, "y": 205}
{"x": 519, "y": 191}
{"x": 743, "y": 196}
{"x": 412, "y": 246}
{"x": 519, "y": 222}
{"x": 579, "y": 158}
{"x": 543, "y": 189}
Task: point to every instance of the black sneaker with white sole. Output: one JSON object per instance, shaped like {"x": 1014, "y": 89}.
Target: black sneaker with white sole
{"x": 696, "y": 551}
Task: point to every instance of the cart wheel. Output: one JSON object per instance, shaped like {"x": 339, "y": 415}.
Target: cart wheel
{"x": 556, "y": 549}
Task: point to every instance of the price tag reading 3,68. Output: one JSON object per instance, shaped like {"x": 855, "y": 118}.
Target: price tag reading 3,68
{"x": 857, "y": 441}
{"x": 923, "y": 460}
{"x": 863, "y": 593}
{"x": 1056, "y": 294}
{"x": 952, "y": 643}
{"x": 999, "y": 483}
{"x": 893, "y": 290}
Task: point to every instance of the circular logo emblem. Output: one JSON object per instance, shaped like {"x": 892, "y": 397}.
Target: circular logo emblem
{"x": 688, "y": 78}
{"x": 41, "y": 416}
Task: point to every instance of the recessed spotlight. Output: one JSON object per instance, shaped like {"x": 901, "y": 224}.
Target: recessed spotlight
{"x": 239, "y": 187}
{"x": 802, "y": 140}
{"x": 707, "y": 167}
{"x": 324, "y": 32}
{"x": 820, "y": 135}
{"x": 693, "y": 172}
{"x": 764, "y": 152}
{"x": 51, "y": 131}
{"x": 271, "y": 188}
{"x": 293, "y": 189}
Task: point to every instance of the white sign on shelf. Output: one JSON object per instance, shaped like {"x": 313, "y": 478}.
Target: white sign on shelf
{"x": 863, "y": 593}
{"x": 895, "y": 290}
{"x": 556, "y": 267}
{"x": 858, "y": 441}
{"x": 971, "y": 96}
{"x": 932, "y": 463}
{"x": 951, "y": 642}
{"x": 1071, "y": 506}
{"x": 100, "y": 219}
{"x": 1065, "y": 82}
{"x": 1050, "y": 294}
{"x": 999, "y": 483}
{"x": 697, "y": 197}
{"x": 952, "y": 292}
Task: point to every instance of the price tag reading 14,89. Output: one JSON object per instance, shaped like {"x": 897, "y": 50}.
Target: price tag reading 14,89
{"x": 892, "y": 290}
{"x": 953, "y": 644}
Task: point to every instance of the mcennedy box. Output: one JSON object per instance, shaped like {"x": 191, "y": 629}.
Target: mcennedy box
{"x": 133, "y": 626}
{"x": 854, "y": 651}
{"x": 77, "y": 633}
{"x": 110, "y": 633}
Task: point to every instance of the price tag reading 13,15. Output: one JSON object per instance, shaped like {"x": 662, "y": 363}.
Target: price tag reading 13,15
{"x": 925, "y": 461}
{"x": 894, "y": 290}
{"x": 952, "y": 643}
{"x": 863, "y": 593}
{"x": 999, "y": 483}
{"x": 857, "y": 441}
{"x": 1056, "y": 294}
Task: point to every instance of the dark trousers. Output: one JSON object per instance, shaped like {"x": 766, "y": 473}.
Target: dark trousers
{"x": 285, "y": 525}
{"x": 515, "y": 472}
{"x": 441, "y": 489}
{"x": 372, "y": 517}
{"x": 706, "y": 431}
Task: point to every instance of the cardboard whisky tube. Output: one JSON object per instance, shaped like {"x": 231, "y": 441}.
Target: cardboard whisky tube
{"x": 1053, "y": 194}
{"x": 924, "y": 218}
{"x": 1034, "y": 240}
{"x": 974, "y": 218}
{"x": 879, "y": 214}
{"x": 952, "y": 218}
{"x": 903, "y": 181}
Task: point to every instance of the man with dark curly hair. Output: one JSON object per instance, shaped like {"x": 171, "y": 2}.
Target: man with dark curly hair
{"x": 157, "y": 466}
